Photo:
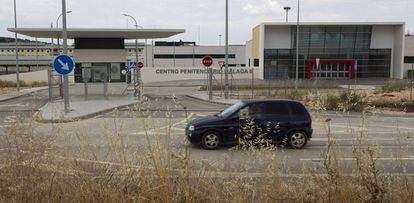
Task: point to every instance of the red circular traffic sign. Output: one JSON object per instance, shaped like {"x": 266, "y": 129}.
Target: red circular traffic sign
{"x": 207, "y": 61}
{"x": 140, "y": 65}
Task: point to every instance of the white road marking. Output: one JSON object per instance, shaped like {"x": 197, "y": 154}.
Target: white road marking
{"x": 354, "y": 139}
{"x": 173, "y": 127}
{"x": 353, "y": 159}
{"x": 13, "y": 105}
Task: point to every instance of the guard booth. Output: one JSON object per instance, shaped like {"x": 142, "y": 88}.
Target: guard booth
{"x": 99, "y": 54}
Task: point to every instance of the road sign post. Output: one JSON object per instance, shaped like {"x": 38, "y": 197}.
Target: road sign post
{"x": 221, "y": 65}
{"x": 318, "y": 61}
{"x": 65, "y": 52}
{"x": 138, "y": 84}
{"x": 356, "y": 72}
{"x": 412, "y": 82}
{"x": 64, "y": 65}
{"x": 208, "y": 62}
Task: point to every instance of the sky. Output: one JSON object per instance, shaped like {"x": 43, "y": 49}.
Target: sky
{"x": 200, "y": 16}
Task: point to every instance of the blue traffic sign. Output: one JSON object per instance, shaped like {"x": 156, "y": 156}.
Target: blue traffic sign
{"x": 127, "y": 69}
{"x": 63, "y": 64}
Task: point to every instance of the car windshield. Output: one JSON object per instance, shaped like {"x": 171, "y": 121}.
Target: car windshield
{"x": 229, "y": 111}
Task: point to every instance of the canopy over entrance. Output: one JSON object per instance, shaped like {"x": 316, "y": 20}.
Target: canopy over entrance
{"x": 98, "y": 33}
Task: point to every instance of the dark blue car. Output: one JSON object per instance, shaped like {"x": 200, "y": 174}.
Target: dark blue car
{"x": 284, "y": 121}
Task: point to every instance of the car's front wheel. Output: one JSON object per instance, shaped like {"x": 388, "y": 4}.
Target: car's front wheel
{"x": 211, "y": 140}
{"x": 297, "y": 139}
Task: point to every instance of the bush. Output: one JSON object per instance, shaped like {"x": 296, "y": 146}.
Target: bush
{"x": 332, "y": 102}
{"x": 352, "y": 101}
{"x": 39, "y": 84}
{"x": 7, "y": 83}
{"x": 4, "y": 83}
{"x": 394, "y": 86}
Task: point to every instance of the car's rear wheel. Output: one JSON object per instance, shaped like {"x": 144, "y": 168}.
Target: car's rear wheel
{"x": 211, "y": 140}
{"x": 297, "y": 139}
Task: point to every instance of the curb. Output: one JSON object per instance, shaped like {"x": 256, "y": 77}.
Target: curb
{"x": 23, "y": 94}
{"x": 396, "y": 115}
{"x": 213, "y": 102}
{"x": 79, "y": 118}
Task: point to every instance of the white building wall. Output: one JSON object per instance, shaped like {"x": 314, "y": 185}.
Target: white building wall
{"x": 382, "y": 37}
{"x": 398, "y": 53}
{"x": 261, "y": 51}
{"x": 99, "y": 56}
{"x": 248, "y": 54}
{"x": 238, "y": 50}
{"x": 277, "y": 37}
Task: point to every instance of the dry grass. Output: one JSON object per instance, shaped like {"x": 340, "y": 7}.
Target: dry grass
{"x": 306, "y": 85}
{"x": 9, "y": 84}
{"x": 35, "y": 167}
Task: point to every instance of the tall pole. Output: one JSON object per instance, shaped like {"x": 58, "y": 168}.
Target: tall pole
{"x": 297, "y": 49}
{"x": 287, "y": 8}
{"x": 226, "y": 61}
{"x": 412, "y": 80}
{"x": 58, "y": 40}
{"x": 137, "y": 78}
{"x": 16, "y": 50}
{"x": 57, "y": 26}
{"x": 65, "y": 52}
{"x": 219, "y": 40}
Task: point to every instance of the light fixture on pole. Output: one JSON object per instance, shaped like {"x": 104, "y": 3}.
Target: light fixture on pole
{"x": 16, "y": 50}
{"x": 287, "y": 9}
{"x": 137, "y": 78}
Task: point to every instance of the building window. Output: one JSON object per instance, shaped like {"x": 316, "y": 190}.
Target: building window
{"x": 409, "y": 59}
{"x": 256, "y": 63}
{"x": 191, "y": 56}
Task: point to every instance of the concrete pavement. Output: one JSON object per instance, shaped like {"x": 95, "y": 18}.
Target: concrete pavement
{"x": 81, "y": 108}
{"x": 163, "y": 118}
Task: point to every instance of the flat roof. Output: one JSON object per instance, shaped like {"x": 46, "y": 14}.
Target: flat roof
{"x": 98, "y": 33}
{"x": 333, "y": 23}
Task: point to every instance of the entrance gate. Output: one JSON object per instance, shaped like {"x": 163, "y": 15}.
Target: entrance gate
{"x": 330, "y": 69}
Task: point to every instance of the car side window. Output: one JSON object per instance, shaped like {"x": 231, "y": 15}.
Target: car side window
{"x": 276, "y": 109}
{"x": 297, "y": 110}
{"x": 252, "y": 111}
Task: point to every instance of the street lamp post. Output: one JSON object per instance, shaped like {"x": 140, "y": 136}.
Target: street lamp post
{"x": 226, "y": 61}
{"x": 57, "y": 26}
{"x": 16, "y": 50}
{"x": 137, "y": 77}
{"x": 65, "y": 51}
{"x": 297, "y": 49}
{"x": 219, "y": 40}
{"x": 287, "y": 9}
{"x": 58, "y": 50}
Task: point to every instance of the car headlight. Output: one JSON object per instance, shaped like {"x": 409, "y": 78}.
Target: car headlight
{"x": 191, "y": 128}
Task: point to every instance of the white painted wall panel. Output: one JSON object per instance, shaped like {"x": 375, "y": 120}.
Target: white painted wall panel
{"x": 277, "y": 37}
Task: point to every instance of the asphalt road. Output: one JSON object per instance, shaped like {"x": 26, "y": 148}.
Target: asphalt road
{"x": 163, "y": 119}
